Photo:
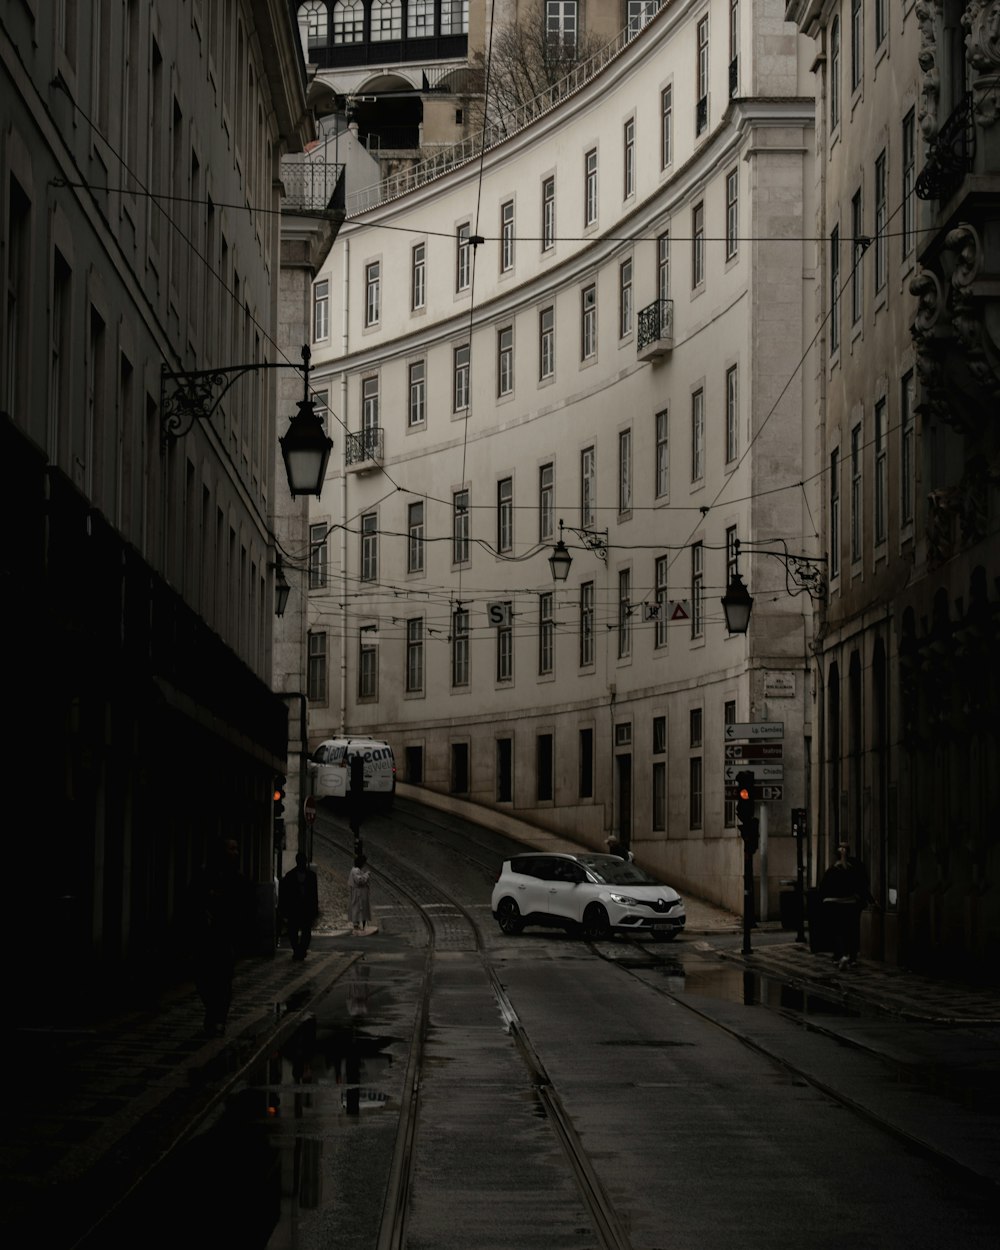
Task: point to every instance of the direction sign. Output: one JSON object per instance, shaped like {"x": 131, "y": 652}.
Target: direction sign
{"x": 756, "y": 730}
{"x": 755, "y": 750}
{"x": 765, "y": 794}
{"x": 761, "y": 772}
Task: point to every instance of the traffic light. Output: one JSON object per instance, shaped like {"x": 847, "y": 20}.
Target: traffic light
{"x": 745, "y": 804}
{"x": 279, "y": 809}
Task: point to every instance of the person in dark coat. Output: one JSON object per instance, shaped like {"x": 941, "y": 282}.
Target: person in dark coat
{"x": 844, "y": 893}
{"x": 220, "y": 910}
{"x": 356, "y": 798}
{"x": 298, "y": 902}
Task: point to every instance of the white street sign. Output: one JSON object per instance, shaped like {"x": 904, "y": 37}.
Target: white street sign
{"x": 762, "y": 772}
{"x": 756, "y": 730}
{"x": 498, "y": 613}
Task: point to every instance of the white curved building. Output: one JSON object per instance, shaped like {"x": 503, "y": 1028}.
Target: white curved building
{"x": 620, "y": 352}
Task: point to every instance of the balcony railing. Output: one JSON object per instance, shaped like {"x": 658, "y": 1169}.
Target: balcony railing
{"x": 310, "y": 186}
{"x": 366, "y": 447}
{"x": 656, "y": 330}
{"x": 950, "y": 155}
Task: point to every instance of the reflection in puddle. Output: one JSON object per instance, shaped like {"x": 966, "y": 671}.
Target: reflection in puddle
{"x": 733, "y": 984}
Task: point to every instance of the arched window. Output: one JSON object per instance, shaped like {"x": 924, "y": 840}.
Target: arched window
{"x": 313, "y": 25}
{"x": 420, "y": 19}
{"x": 454, "y": 17}
{"x": 387, "y": 20}
{"x": 348, "y": 21}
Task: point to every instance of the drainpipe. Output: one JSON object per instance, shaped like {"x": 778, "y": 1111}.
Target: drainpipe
{"x": 345, "y": 347}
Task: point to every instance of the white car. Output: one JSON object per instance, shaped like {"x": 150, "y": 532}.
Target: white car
{"x": 599, "y": 894}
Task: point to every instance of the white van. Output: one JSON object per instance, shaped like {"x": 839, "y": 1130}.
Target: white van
{"x": 330, "y": 768}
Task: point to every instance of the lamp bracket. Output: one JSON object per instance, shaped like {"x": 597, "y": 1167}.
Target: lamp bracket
{"x": 594, "y": 540}
{"x": 802, "y": 573}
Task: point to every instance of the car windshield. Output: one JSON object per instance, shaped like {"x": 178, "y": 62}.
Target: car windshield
{"x": 614, "y": 871}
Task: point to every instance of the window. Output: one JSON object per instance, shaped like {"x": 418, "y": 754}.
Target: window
{"x": 463, "y": 258}
{"x": 697, "y": 590}
{"x": 857, "y": 256}
{"x": 734, "y": 47}
{"x": 14, "y": 357}
{"x": 505, "y": 360}
{"x": 880, "y": 221}
{"x": 348, "y": 21}
{"x": 624, "y": 613}
{"x": 460, "y": 647}
{"x": 546, "y": 501}
{"x": 835, "y": 73}
{"x": 590, "y": 188}
{"x": 906, "y": 448}
{"x": 666, "y": 125}
{"x": 909, "y": 180}
{"x": 834, "y": 289}
{"x": 624, "y": 471}
{"x": 317, "y": 556}
{"x": 732, "y": 414}
{"x": 460, "y": 527}
{"x": 505, "y": 649}
{"x": 588, "y": 328}
{"x": 662, "y": 567}
{"x": 732, "y": 213}
{"x": 697, "y": 435}
{"x": 663, "y": 454}
{"x": 418, "y": 276}
{"x": 415, "y": 537}
{"x": 312, "y": 20}
{"x": 548, "y": 214}
{"x": 697, "y": 245}
{"x": 586, "y": 786}
{"x": 663, "y": 265}
{"x": 639, "y": 13}
{"x": 543, "y": 767}
{"x": 696, "y": 731}
{"x": 461, "y": 370}
{"x": 628, "y": 170}
{"x": 317, "y": 667}
{"x": 417, "y": 413}
{"x": 387, "y": 20}
{"x": 454, "y": 17}
{"x": 856, "y": 452}
{"x": 835, "y": 513}
{"x": 857, "y": 48}
{"x": 367, "y": 665}
{"x": 321, "y": 309}
{"x": 659, "y": 795}
{"x": 420, "y": 19}
{"x": 505, "y": 770}
{"x": 588, "y": 487}
{"x": 560, "y": 26}
{"x": 369, "y": 405}
{"x": 369, "y": 547}
{"x": 695, "y": 791}
{"x": 881, "y": 472}
{"x": 546, "y": 343}
{"x": 586, "y": 624}
{"x": 414, "y": 655}
{"x": 546, "y": 633}
{"x": 507, "y": 236}
{"x": 373, "y": 293}
{"x": 881, "y": 22}
{"x": 732, "y": 552}
{"x": 505, "y": 514}
{"x": 625, "y": 298}
{"x": 701, "y": 108}
{"x": 459, "y": 768}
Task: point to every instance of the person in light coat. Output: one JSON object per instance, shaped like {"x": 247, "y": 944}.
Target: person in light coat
{"x": 359, "y": 907}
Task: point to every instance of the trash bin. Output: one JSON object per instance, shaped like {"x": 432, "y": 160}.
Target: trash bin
{"x": 790, "y": 905}
{"x": 820, "y": 933}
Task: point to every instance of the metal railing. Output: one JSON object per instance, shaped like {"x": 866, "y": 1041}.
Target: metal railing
{"x": 655, "y": 323}
{"x": 309, "y": 185}
{"x": 950, "y": 155}
{"x": 496, "y": 131}
{"x": 364, "y": 446}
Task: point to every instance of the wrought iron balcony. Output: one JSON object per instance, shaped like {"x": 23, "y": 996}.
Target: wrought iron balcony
{"x": 950, "y": 155}
{"x": 364, "y": 450}
{"x": 311, "y": 187}
{"x": 656, "y": 330}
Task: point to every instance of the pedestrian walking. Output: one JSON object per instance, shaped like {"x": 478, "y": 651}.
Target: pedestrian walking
{"x": 845, "y": 894}
{"x": 220, "y": 915}
{"x": 359, "y": 908}
{"x": 298, "y": 902}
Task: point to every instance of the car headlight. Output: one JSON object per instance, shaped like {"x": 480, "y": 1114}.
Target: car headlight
{"x": 623, "y": 899}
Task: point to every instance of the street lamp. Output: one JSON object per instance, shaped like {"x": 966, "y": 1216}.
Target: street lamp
{"x": 190, "y": 395}
{"x": 560, "y": 559}
{"x": 737, "y": 604}
{"x": 802, "y": 573}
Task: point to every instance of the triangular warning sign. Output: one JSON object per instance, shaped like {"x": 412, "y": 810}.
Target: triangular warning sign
{"x": 679, "y": 613}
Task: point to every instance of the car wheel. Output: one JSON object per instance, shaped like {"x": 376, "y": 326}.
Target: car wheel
{"x": 596, "y": 925}
{"x": 664, "y": 935}
{"x": 509, "y": 918}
